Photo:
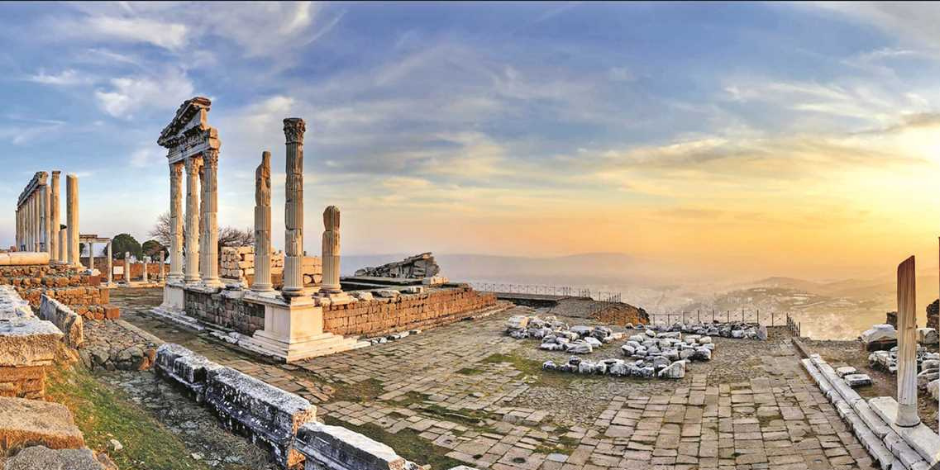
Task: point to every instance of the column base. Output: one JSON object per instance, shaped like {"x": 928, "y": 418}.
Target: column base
{"x": 333, "y": 298}
{"x": 212, "y": 283}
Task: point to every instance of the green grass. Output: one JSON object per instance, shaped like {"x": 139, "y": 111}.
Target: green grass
{"x": 533, "y": 369}
{"x": 405, "y": 442}
{"x": 469, "y": 371}
{"x": 103, "y": 413}
{"x": 365, "y": 391}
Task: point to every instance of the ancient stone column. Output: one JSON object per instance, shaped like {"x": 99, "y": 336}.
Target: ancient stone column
{"x": 127, "y": 266}
{"x": 210, "y": 209}
{"x": 110, "y": 265}
{"x": 54, "y": 217}
{"x": 46, "y": 203}
{"x": 907, "y": 345}
{"x": 331, "y": 255}
{"x": 262, "y": 281}
{"x": 176, "y": 222}
{"x": 191, "y": 274}
{"x": 162, "y": 266}
{"x": 91, "y": 255}
{"x": 145, "y": 262}
{"x": 294, "y": 129}
{"x": 71, "y": 190}
{"x": 63, "y": 245}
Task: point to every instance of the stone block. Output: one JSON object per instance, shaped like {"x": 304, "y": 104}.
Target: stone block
{"x": 35, "y": 422}
{"x": 267, "y": 414}
{"x": 920, "y": 438}
{"x": 335, "y": 447}
{"x": 44, "y": 458}
{"x": 27, "y": 342}
{"x": 65, "y": 319}
{"x": 184, "y": 367}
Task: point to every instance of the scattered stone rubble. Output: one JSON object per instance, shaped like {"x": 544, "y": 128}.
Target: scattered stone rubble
{"x": 558, "y": 336}
{"x": 735, "y": 330}
{"x": 664, "y": 355}
{"x": 412, "y": 267}
{"x": 878, "y": 337}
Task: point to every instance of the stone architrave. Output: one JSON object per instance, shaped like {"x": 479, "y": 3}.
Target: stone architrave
{"x": 331, "y": 251}
{"x": 54, "y": 218}
{"x": 71, "y": 189}
{"x": 907, "y": 345}
{"x": 294, "y": 129}
{"x": 262, "y": 282}
{"x": 210, "y": 226}
{"x": 176, "y": 222}
{"x": 191, "y": 274}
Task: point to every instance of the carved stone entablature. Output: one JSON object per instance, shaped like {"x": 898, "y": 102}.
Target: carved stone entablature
{"x": 39, "y": 180}
{"x": 189, "y": 133}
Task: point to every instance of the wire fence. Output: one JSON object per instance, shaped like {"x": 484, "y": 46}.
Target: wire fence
{"x": 605, "y": 299}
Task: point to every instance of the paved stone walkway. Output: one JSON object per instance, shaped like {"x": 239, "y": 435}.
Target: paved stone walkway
{"x": 473, "y": 391}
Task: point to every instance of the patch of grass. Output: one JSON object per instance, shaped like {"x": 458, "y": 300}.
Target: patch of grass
{"x": 533, "y": 369}
{"x": 367, "y": 390}
{"x": 103, "y": 413}
{"x": 405, "y": 442}
{"x": 469, "y": 371}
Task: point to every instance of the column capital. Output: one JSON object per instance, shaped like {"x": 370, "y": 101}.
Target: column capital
{"x": 211, "y": 158}
{"x": 294, "y": 129}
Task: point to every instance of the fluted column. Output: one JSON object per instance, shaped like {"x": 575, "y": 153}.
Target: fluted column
{"x": 16, "y": 238}
{"x": 907, "y": 345}
{"x": 162, "y": 266}
{"x": 146, "y": 276}
{"x": 262, "y": 281}
{"x": 176, "y": 222}
{"x": 294, "y": 129}
{"x": 127, "y": 266}
{"x": 63, "y": 245}
{"x": 71, "y": 189}
{"x": 110, "y": 265}
{"x": 54, "y": 217}
{"x": 45, "y": 201}
{"x": 210, "y": 209}
{"x": 191, "y": 274}
{"x": 91, "y": 255}
{"x": 331, "y": 242}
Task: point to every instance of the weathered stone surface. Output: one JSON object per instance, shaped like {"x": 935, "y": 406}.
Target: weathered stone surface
{"x": 64, "y": 318}
{"x": 336, "y": 447}
{"x": 24, "y": 258}
{"x": 879, "y": 334}
{"x": 268, "y": 414}
{"x": 857, "y": 380}
{"x": 927, "y": 336}
{"x": 184, "y": 367}
{"x": 44, "y": 458}
{"x": 414, "y": 267}
{"x": 27, "y": 342}
{"x": 35, "y": 422}
{"x": 676, "y": 370}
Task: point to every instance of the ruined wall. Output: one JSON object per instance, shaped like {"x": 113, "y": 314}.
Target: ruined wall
{"x": 27, "y": 347}
{"x": 137, "y": 269}
{"x": 68, "y": 285}
{"x": 405, "y": 312}
{"x": 933, "y": 315}
{"x": 622, "y": 314}
{"x": 219, "y": 310}
{"x": 65, "y": 319}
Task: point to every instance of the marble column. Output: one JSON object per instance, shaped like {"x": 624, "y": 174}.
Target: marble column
{"x": 907, "y": 345}
{"x": 191, "y": 274}
{"x": 176, "y": 222}
{"x": 210, "y": 210}
{"x": 54, "y": 217}
{"x": 91, "y": 255}
{"x": 16, "y": 239}
{"x": 294, "y": 129}
{"x": 110, "y": 265}
{"x": 63, "y": 245}
{"x": 145, "y": 275}
{"x": 31, "y": 240}
{"x": 127, "y": 266}
{"x": 331, "y": 243}
{"x": 262, "y": 282}
{"x": 45, "y": 199}
{"x": 162, "y": 266}
{"x": 71, "y": 191}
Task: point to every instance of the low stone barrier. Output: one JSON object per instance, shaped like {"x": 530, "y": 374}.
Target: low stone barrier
{"x": 68, "y": 322}
{"x": 27, "y": 347}
{"x": 278, "y": 420}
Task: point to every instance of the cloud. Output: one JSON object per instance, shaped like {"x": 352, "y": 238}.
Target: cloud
{"x": 913, "y": 21}
{"x": 67, "y": 77}
{"x": 147, "y": 156}
{"x": 164, "y": 34}
{"x": 127, "y": 95}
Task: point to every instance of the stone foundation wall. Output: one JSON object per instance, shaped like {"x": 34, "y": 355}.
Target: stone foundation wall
{"x": 622, "y": 315}
{"x": 224, "y": 312}
{"x": 66, "y": 320}
{"x": 80, "y": 292}
{"x": 27, "y": 346}
{"x": 137, "y": 269}
{"x": 23, "y": 382}
{"x": 405, "y": 312}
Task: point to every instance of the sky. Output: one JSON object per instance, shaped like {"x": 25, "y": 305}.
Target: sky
{"x": 742, "y": 138}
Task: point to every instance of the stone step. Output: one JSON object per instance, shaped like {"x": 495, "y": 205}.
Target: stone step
{"x": 33, "y": 422}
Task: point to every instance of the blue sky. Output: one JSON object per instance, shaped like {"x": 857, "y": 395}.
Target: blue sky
{"x": 514, "y": 128}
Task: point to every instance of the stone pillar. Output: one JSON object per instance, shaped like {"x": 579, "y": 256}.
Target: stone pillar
{"x": 191, "y": 274}
{"x": 16, "y": 238}
{"x": 294, "y": 129}
{"x": 331, "y": 248}
{"x": 145, "y": 276}
{"x": 45, "y": 196}
{"x": 262, "y": 281}
{"x": 30, "y": 240}
{"x": 71, "y": 190}
{"x": 210, "y": 209}
{"x": 110, "y": 265}
{"x": 907, "y": 345}
{"x": 162, "y": 266}
{"x": 54, "y": 217}
{"x": 127, "y": 266}
{"x": 63, "y": 245}
{"x": 176, "y": 222}
{"x": 91, "y": 255}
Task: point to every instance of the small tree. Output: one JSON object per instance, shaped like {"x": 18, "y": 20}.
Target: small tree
{"x": 228, "y": 236}
{"x": 161, "y": 230}
{"x": 125, "y": 243}
{"x": 152, "y": 248}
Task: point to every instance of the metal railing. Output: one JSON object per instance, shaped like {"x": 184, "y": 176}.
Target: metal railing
{"x": 742, "y": 315}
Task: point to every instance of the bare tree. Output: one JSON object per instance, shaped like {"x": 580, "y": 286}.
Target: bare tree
{"x": 228, "y": 236}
